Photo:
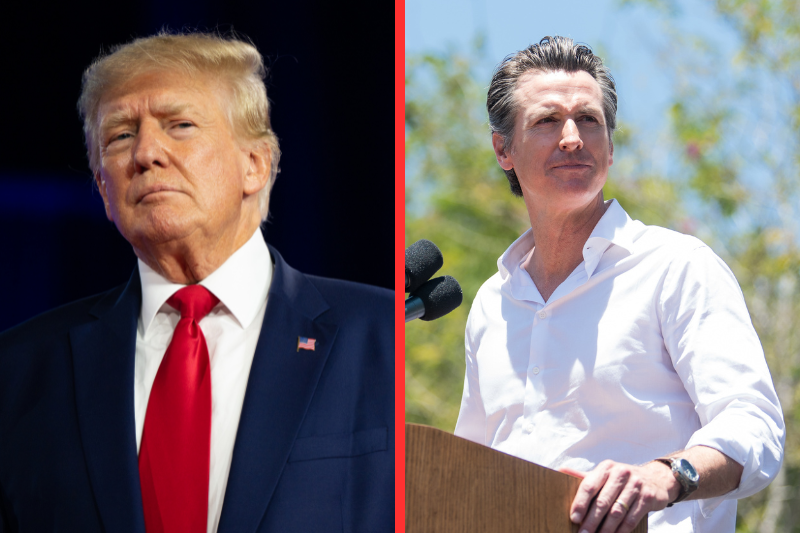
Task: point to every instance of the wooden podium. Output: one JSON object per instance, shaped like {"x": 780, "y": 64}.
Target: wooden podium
{"x": 457, "y": 486}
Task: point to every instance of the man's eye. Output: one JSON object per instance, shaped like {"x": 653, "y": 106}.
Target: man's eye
{"x": 184, "y": 125}
{"x": 121, "y": 136}
{"x": 589, "y": 118}
{"x": 546, "y": 119}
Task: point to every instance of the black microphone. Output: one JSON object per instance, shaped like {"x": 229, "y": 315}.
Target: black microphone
{"x": 434, "y": 299}
{"x": 423, "y": 259}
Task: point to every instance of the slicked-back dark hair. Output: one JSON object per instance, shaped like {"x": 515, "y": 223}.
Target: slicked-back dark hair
{"x": 552, "y": 54}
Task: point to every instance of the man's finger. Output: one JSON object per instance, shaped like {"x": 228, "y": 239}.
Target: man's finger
{"x": 622, "y": 508}
{"x": 603, "y": 504}
{"x": 639, "y": 510}
{"x": 588, "y": 489}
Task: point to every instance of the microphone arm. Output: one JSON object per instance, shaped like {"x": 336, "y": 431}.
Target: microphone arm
{"x": 434, "y": 299}
{"x": 414, "y": 308}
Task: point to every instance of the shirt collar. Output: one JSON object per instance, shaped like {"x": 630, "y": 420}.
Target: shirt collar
{"x": 614, "y": 227}
{"x": 241, "y": 283}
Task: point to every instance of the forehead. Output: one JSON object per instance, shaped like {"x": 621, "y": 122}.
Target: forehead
{"x": 158, "y": 93}
{"x": 536, "y": 89}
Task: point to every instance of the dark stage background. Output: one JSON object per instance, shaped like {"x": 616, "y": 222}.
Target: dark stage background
{"x": 331, "y": 88}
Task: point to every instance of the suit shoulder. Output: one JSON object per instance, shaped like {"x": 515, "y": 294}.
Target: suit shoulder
{"x": 349, "y": 297}
{"x": 338, "y": 288}
{"x": 59, "y": 319}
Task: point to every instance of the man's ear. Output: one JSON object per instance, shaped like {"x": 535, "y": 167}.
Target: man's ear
{"x": 101, "y": 186}
{"x": 501, "y": 153}
{"x": 610, "y": 152}
{"x": 259, "y": 166}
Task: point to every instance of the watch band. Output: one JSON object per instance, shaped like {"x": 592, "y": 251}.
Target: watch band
{"x": 684, "y": 473}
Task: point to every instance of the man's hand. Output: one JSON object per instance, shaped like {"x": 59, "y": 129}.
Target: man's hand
{"x": 621, "y": 494}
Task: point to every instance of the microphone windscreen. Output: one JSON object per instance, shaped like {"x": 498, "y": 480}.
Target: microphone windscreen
{"x": 440, "y": 296}
{"x": 423, "y": 259}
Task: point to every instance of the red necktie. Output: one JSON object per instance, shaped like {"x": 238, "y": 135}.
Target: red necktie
{"x": 176, "y": 441}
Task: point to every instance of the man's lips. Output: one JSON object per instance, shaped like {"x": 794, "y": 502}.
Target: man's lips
{"x": 572, "y": 166}
{"x": 154, "y": 190}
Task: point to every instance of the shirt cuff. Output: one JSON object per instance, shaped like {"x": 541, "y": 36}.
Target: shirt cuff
{"x": 756, "y": 447}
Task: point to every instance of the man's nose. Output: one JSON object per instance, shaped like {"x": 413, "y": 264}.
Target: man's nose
{"x": 570, "y": 137}
{"x": 148, "y": 149}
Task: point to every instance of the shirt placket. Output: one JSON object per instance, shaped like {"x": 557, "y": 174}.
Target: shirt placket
{"x": 534, "y": 390}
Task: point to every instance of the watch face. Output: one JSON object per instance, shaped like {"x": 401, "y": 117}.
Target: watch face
{"x": 686, "y": 469}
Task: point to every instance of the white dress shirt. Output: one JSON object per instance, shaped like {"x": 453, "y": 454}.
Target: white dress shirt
{"x": 231, "y": 331}
{"x": 645, "y": 349}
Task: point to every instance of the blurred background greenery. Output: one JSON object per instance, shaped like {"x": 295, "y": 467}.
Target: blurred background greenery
{"x": 723, "y": 165}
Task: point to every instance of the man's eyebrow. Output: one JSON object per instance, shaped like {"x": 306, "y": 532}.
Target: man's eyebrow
{"x": 589, "y": 110}
{"x": 123, "y": 117}
{"x": 547, "y": 108}
{"x": 115, "y": 119}
{"x": 173, "y": 108}
{"x": 543, "y": 110}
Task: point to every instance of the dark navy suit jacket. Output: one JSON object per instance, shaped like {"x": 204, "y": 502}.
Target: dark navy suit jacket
{"x": 315, "y": 445}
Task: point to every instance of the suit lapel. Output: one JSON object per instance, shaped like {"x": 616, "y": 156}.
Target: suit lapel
{"x": 103, "y": 357}
{"x": 279, "y": 390}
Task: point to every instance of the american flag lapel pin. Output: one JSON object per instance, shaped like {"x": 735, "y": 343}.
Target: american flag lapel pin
{"x": 305, "y": 343}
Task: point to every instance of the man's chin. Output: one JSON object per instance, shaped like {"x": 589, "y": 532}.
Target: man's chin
{"x": 160, "y": 227}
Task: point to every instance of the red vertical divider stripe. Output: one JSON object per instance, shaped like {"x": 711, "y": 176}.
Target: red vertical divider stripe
{"x": 399, "y": 239}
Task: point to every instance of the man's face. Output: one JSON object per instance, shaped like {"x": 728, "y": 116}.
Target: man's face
{"x": 561, "y": 150}
{"x": 171, "y": 165}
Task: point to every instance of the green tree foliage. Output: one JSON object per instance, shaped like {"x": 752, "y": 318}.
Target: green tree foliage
{"x": 736, "y": 125}
{"x": 732, "y": 178}
{"x": 457, "y": 197}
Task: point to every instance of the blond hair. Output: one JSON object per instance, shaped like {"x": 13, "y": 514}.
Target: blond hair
{"x": 233, "y": 60}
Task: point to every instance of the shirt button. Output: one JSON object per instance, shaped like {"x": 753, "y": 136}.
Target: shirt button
{"x": 536, "y": 371}
{"x": 529, "y": 428}
{"x": 542, "y": 314}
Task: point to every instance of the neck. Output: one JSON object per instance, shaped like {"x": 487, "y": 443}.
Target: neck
{"x": 195, "y": 257}
{"x": 559, "y": 238}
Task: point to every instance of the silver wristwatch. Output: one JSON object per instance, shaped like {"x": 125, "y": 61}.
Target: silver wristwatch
{"x": 686, "y": 475}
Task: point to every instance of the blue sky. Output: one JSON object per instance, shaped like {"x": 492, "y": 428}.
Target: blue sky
{"x": 632, "y": 40}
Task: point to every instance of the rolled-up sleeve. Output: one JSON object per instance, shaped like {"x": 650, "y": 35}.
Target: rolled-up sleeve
{"x": 715, "y": 350}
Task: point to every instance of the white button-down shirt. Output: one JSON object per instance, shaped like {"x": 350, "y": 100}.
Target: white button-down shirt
{"x": 231, "y": 331}
{"x": 645, "y": 349}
